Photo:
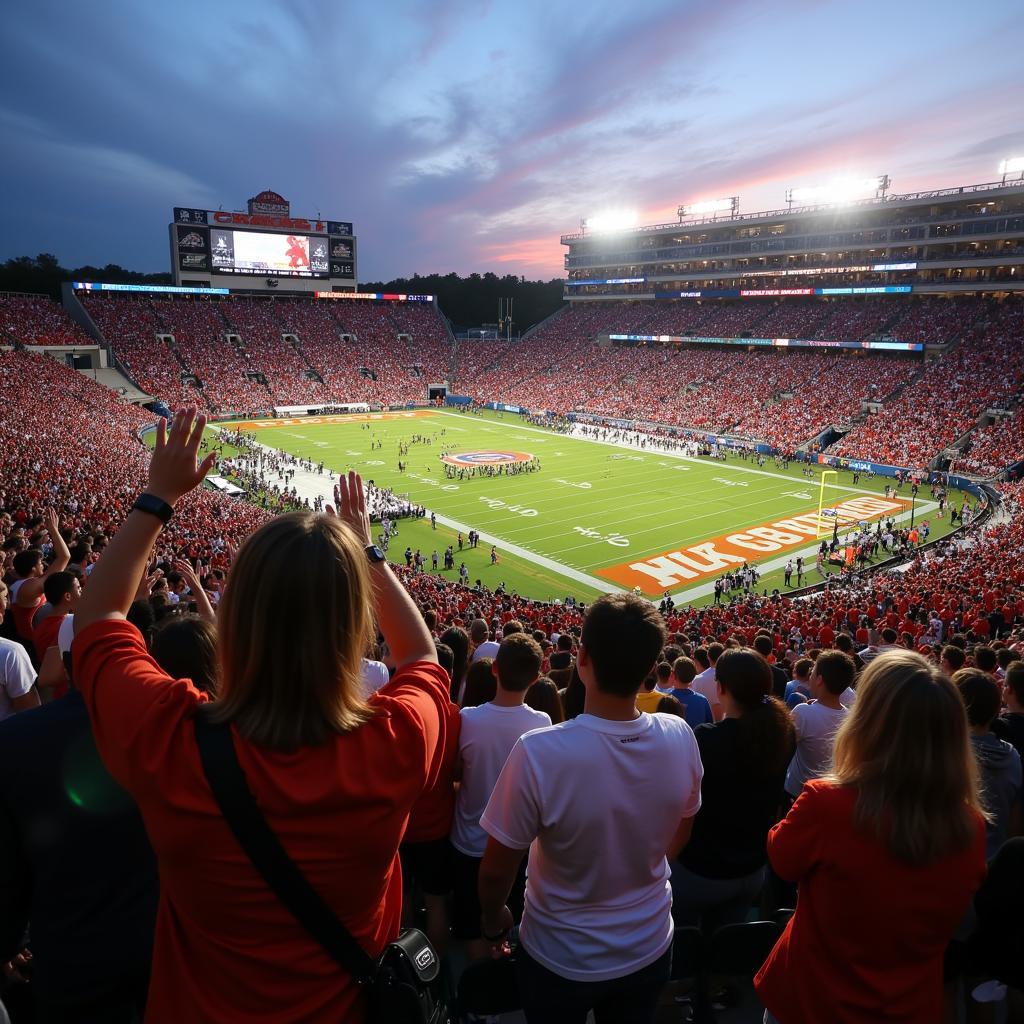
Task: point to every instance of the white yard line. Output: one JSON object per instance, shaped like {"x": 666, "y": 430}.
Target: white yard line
{"x": 313, "y": 485}
{"x": 662, "y": 453}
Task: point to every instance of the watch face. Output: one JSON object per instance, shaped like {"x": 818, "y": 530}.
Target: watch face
{"x": 375, "y": 554}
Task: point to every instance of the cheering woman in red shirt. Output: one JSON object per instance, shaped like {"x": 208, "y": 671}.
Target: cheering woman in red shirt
{"x": 887, "y": 850}
{"x": 335, "y": 775}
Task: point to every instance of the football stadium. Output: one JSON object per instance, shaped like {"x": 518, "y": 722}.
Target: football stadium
{"x": 325, "y": 619}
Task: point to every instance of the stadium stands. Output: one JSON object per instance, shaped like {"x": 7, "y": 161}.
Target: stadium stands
{"x": 85, "y": 460}
{"x": 389, "y": 356}
{"x": 983, "y": 370}
{"x": 88, "y": 464}
{"x": 37, "y": 320}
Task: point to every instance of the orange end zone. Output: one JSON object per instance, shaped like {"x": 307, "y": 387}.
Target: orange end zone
{"x": 657, "y": 573}
{"x": 352, "y": 417}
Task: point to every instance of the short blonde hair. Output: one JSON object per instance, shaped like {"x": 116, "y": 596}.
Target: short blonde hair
{"x": 906, "y": 749}
{"x": 294, "y": 623}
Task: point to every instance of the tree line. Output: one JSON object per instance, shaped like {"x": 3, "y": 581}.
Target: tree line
{"x": 467, "y": 301}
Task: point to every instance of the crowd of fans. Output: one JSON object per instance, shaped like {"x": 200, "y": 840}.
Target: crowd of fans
{"x": 35, "y": 320}
{"x": 740, "y": 706}
{"x": 985, "y": 370}
{"x": 245, "y": 356}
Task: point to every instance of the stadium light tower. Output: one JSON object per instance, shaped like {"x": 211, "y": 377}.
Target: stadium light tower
{"x": 609, "y": 222}
{"x": 712, "y": 206}
{"x": 1012, "y": 165}
{"x": 843, "y": 190}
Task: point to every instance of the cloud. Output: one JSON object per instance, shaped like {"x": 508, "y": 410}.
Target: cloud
{"x": 464, "y": 135}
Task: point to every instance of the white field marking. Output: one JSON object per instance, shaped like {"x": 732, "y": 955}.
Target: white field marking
{"x": 659, "y": 505}
{"x": 539, "y": 532}
{"x": 350, "y": 452}
{"x": 703, "y": 589}
{"x": 661, "y": 453}
{"x": 312, "y": 485}
{"x": 723, "y": 467}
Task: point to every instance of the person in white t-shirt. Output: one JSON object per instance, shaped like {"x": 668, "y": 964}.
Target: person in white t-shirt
{"x": 585, "y": 798}
{"x": 482, "y": 646}
{"x": 487, "y": 733}
{"x": 817, "y": 721}
{"x": 17, "y": 677}
{"x": 375, "y": 675}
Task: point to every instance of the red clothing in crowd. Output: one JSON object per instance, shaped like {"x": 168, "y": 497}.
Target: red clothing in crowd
{"x": 23, "y": 617}
{"x": 45, "y": 634}
{"x": 226, "y": 949}
{"x": 867, "y": 940}
{"x": 432, "y": 814}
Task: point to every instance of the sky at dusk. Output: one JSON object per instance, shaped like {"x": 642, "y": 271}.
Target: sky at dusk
{"x": 468, "y": 136}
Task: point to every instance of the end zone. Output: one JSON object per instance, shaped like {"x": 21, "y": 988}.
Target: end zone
{"x": 352, "y": 417}
{"x": 712, "y": 557}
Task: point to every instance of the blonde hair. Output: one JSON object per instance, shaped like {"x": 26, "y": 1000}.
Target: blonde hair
{"x": 906, "y": 749}
{"x": 294, "y": 624}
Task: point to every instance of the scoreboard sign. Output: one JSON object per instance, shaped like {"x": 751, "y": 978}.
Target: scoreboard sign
{"x": 266, "y": 241}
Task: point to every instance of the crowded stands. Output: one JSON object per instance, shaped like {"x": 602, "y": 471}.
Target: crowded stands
{"x": 36, "y": 320}
{"x": 789, "y": 728}
{"x": 984, "y": 370}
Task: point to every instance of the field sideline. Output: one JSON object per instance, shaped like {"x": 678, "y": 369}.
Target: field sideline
{"x": 594, "y": 511}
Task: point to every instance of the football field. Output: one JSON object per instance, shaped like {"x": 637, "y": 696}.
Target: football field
{"x": 594, "y": 516}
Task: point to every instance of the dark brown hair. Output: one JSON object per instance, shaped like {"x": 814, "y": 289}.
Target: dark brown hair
{"x": 623, "y": 636}
{"x": 518, "y": 662}
{"x": 766, "y": 730}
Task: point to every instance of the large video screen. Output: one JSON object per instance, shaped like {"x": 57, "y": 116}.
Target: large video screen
{"x": 260, "y": 253}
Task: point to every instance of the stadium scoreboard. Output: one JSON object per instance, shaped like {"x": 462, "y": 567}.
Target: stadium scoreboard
{"x": 265, "y": 247}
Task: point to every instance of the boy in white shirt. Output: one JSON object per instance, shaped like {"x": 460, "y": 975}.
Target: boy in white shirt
{"x": 818, "y": 720}
{"x": 597, "y": 928}
{"x": 486, "y": 736}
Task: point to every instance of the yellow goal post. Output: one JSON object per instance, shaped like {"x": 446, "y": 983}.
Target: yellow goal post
{"x": 826, "y": 516}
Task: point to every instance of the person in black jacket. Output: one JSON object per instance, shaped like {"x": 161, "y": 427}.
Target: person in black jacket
{"x": 76, "y": 870}
{"x": 720, "y": 871}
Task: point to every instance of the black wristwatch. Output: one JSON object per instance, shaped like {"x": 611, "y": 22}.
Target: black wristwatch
{"x": 154, "y": 506}
{"x": 374, "y": 553}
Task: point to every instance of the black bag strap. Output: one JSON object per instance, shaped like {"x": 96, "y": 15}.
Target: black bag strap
{"x": 264, "y": 849}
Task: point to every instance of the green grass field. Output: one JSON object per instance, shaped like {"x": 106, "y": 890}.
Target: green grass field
{"x": 593, "y": 512}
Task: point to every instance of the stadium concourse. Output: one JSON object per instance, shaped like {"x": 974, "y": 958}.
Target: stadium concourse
{"x": 72, "y": 464}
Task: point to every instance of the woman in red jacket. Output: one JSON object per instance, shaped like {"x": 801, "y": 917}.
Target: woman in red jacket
{"x": 887, "y": 850}
{"x": 334, "y": 774}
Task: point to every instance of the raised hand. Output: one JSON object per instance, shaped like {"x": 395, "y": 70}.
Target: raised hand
{"x": 351, "y": 505}
{"x": 52, "y": 523}
{"x": 173, "y": 470}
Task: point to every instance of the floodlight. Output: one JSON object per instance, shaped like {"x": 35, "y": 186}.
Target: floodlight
{"x": 1012, "y": 165}
{"x": 840, "y": 191}
{"x": 712, "y": 206}
{"x": 611, "y": 220}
